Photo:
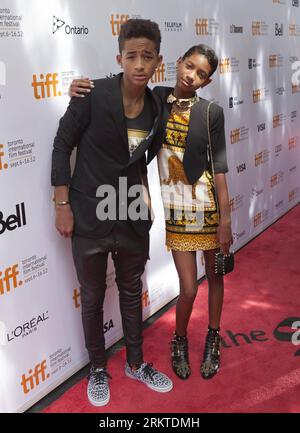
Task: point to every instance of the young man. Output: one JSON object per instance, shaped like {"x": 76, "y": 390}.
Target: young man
{"x": 112, "y": 128}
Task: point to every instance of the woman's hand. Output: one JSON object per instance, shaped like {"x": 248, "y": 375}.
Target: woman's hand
{"x": 224, "y": 235}
{"x": 64, "y": 220}
{"x": 80, "y": 86}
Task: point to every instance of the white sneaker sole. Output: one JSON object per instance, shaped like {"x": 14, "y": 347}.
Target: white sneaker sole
{"x": 99, "y": 403}
{"x": 168, "y": 389}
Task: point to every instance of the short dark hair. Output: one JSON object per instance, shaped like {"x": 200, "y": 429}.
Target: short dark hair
{"x": 139, "y": 28}
{"x": 206, "y": 51}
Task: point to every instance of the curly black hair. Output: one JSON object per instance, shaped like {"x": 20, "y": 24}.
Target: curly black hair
{"x": 139, "y": 28}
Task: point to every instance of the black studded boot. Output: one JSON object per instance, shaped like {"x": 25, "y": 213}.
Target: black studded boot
{"x": 180, "y": 357}
{"x": 211, "y": 357}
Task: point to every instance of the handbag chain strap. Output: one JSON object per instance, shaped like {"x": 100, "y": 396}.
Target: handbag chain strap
{"x": 210, "y": 157}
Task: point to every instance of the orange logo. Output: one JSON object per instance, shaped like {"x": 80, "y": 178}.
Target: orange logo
{"x": 273, "y": 60}
{"x": 76, "y": 297}
{"x": 3, "y": 165}
{"x": 256, "y": 28}
{"x": 45, "y": 87}
{"x": 33, "y": 378}
{"x": 295, "y": 88}
{"x": 258, "y": 159}
{"x": 235, "y": 135}
{"x": 159, "y": 74}
{"x": 257, "y": 95}
{"x": 257, "y": 219}
{"x": 201, "y": 26}
{"x": 293, "y": 194}
{"x": 292, "y": 30}
{"x": 145, "y": 299}
{"x": 231, "y": 204}
{"x": 274, "y": 180}
{"x": 224, "y": 65}
{"x": 116, "y": 21}
{"x": 276, "y": 121}
{"x": 8, "y": 279}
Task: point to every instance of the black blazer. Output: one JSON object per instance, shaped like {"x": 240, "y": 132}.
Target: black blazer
{"x": 195, "y": 156}
{"x": 96, "y": 124}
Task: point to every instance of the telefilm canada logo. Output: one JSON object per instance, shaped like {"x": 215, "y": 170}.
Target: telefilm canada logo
{"x": 59, "y": 24}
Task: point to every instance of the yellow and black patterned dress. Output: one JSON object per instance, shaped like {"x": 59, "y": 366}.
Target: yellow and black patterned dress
{"x": 190, "y": 210}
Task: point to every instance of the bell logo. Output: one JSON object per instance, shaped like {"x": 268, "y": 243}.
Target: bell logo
{"x": 76, "y": 297}
{"x": 201, "y": 26}
{"x": 276, "y": 121}
{"x": 3, "y": 165}
{"x": 13, "y": 221}
{"x": 33, "y": 378}
{"x": 45, "y": 87}
{"x": 159, "y": 74}
{"x": 145, "y": 299}
{"x": 235, "y": 135}
{"x": 224, "y": 65}
{"x": 257, "y": 219}
{"x": 116, "y": 21}
{"x": 8, "y": 279}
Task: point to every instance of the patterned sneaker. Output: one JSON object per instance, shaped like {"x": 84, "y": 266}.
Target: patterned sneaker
{"x": 149, "y": 376}
{"x": 98, "y": 388}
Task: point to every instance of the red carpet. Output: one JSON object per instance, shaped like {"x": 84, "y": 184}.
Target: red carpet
{"x": 260, "y": 367}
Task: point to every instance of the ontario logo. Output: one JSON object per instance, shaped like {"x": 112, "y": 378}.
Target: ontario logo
{"x": 69, "y": 30}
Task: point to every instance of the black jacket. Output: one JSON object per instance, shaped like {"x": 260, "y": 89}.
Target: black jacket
{"x": 195, "y": 156}
{"x": 97, "y": 126}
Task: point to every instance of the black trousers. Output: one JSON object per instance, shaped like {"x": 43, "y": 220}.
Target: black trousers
{"x": 129, "y": 253}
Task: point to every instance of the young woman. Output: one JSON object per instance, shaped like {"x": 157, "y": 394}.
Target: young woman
{"x": 195, "y": 196}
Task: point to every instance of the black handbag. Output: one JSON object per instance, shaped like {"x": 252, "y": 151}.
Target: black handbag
{"x": 224, "y": 263}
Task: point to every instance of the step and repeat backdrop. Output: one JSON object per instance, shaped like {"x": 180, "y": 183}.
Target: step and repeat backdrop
{"x": 43, "y": 46}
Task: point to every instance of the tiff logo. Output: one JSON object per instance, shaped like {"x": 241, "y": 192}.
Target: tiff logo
{"x": 2, "y": 73}
{"x": 201, "y": 26}
{"x": 145, "y": 299}
{"x": 76, "y": 297}
{"x": 116, "y": 21}
{"x": 235, "y": 135}
{"x": 159, "y": 74}
{"x": 224, "y": 65}
{"x": 45, "y": 87}
{"x": 33, "y": 378}
{"x": 3, "y": 165}
{"x": 8, "y": 279}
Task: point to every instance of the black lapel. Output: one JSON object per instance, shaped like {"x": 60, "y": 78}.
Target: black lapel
{"x": 144, "y": 145}
{"x": 162, "y": 93}
{"x": 115, "y": 102}
{"x": 198, "y": 126}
